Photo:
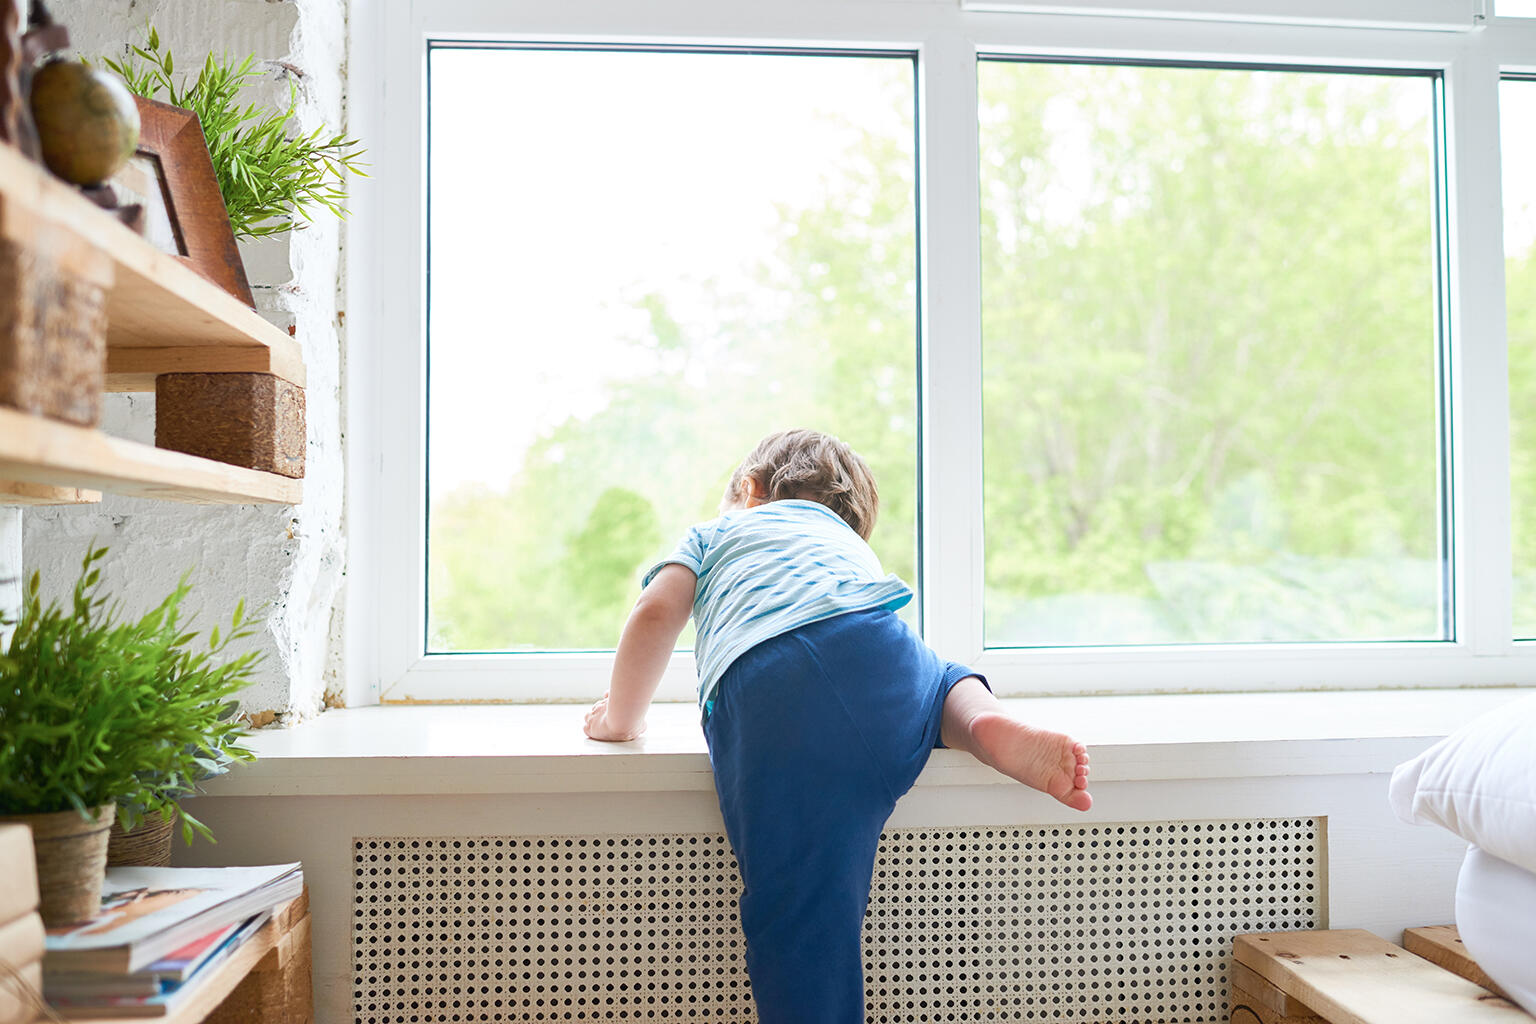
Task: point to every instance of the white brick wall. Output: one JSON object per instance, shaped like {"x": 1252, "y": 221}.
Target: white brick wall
{"x": 288, "y": 560}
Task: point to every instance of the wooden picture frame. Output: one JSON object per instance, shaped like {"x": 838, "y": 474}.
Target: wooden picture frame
{"x": 172, "y": 175}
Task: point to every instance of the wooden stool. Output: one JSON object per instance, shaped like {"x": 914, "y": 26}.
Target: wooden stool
{"x": 1352, "y": 977}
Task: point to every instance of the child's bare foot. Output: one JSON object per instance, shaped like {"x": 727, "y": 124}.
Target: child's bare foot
{"x": 1051, "y": 762}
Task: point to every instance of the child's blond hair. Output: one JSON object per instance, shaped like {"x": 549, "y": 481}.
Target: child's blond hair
{"x": 813, "y": 466}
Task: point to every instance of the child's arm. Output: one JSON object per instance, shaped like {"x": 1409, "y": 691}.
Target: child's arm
{"x": 646, "y": 645}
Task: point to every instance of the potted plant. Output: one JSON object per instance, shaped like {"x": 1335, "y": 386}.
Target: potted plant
{"x": 105, "y": 718}
{"x": 142, "y": 832}
{"x": 269, "y": 174}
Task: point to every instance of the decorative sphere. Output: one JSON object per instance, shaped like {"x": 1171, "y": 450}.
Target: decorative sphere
{"x": 87, "y": 121}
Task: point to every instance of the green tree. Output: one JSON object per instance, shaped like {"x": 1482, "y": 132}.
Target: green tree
{"x": 621, "y": 531}
{"x": 1209, "y": 338}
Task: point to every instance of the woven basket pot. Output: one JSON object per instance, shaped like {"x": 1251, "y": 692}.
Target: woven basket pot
{"x": 146, "y": 845}
{"x": 71, "y": 854}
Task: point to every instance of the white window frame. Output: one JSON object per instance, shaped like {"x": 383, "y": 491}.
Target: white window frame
{"x": 386, "y": 327}
{"x": 1438, "y": 15}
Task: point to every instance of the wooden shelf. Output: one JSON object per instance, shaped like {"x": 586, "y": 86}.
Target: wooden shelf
{"x": 43, "y": 451}
{"x": 162, "y": 317}
{"x": 15, "y": 492}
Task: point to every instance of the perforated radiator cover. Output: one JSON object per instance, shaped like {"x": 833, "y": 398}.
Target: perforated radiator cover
{"x": 1092, "y": 924}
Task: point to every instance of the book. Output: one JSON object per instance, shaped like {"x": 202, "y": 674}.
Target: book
{"x": 90, "y": 985}
{"x": 167, "y": 995}
{"x": 149, "y": 913}
{"x": 18, "y": 896}
{"x": 181, "y": 963}
{"x": 177, "y": 966}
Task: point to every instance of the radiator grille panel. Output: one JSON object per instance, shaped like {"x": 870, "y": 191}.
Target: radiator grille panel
{"x": 1090, "y": 924}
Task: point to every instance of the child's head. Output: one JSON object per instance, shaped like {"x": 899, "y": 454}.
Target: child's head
{"x": 810, "y": 465}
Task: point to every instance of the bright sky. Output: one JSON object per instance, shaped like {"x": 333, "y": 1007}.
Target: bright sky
{"x": 567, "y": 185}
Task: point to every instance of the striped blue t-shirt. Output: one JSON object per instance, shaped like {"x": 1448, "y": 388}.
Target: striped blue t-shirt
{"x": 766, "y": 570}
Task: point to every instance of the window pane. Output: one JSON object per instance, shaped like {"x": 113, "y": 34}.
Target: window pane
{"x": 641, "y": 263}
{"x": 1210, "y": 353}
{"x": 1517, "y": 112}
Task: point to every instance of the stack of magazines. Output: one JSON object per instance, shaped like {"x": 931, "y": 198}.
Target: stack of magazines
{"x": 161, "y": 932}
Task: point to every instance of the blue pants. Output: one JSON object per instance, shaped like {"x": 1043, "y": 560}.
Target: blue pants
{"x": 813, "y": 736}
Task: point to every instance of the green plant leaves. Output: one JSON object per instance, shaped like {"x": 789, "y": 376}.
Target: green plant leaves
{"x": 95, "y": 709}
{"x": 267, "y": 176}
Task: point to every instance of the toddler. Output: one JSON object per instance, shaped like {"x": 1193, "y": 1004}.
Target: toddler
{"x": 820, "y": 707}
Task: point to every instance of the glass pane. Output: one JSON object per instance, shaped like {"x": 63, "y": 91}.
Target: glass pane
{"x": 1517, "y": 113}
{"x": 1514, "y": 8}
{"x": 1210, "y": 353}
{"x": 641, "y": 263}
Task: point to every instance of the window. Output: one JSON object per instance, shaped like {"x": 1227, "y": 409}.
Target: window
{"x": 634, "y": 279}
{"x": 1179, "y": 345}
{"x": 1517, "y": 108}
{"x": 1209, "y": 329}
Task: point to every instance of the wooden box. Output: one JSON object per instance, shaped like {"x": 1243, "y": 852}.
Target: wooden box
{"x": 17, "y": 1007}
{"x": 255, "y": 420}
{"x": 53, "y": 318}
{"x": 21, "y": 929}
{"x": 1350, "y": 976}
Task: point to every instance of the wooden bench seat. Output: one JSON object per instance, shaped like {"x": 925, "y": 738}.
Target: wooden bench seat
{"x": 1355, "y": 977}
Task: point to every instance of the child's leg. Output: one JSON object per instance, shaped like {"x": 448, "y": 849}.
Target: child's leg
{"x": 813, "y": 737}
{"x": 803, "y": 805}
{"x": 1051, "y": 762}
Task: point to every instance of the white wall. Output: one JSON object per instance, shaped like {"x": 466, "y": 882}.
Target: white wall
{"x": 289, "y": 560}
{"x": 10, "y": 564}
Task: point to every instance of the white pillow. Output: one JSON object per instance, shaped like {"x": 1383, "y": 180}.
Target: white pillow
{"x": 1479, "y": 782}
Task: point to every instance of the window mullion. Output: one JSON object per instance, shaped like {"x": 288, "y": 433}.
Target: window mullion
{"x": 1479, "y": 395}
{"x": 393, "y": 351}
{"x": 950, "y": 262}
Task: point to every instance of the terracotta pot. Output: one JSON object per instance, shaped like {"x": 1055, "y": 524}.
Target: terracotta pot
{"x": 71, "y": 854}
{"x": 148, "y": 844}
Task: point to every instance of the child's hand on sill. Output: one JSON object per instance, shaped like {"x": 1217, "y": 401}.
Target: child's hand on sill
{"x": 598, "y": 727}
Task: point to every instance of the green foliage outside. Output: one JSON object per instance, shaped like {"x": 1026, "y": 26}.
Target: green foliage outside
{"x": 267, "y": 175}
{"x": 1520, "y": 287}
{"x": 95, "y": 709}
{"x": 1210, "y": 392}
{"x": 1209, "y": 378}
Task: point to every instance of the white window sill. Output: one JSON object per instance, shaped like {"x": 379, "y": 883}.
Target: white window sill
{"x": 463, "y": 749}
